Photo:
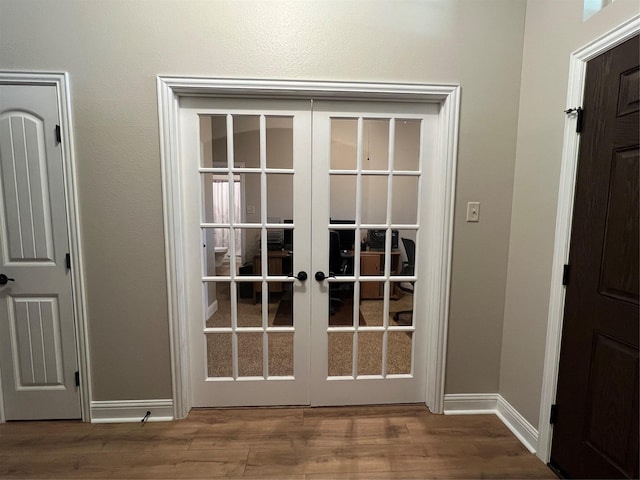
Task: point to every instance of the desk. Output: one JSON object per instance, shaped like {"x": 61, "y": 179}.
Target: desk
{"x": 279, "y": 263}
{"x": 371, "y": 264}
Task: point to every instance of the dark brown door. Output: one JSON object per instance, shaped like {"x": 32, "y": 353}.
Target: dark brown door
{"x": 596, "y": 431}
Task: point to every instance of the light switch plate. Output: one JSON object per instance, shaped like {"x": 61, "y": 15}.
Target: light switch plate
{"x": 473, "y": 211}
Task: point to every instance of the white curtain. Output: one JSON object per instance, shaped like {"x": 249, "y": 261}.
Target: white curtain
{"x": 221, "y": 212}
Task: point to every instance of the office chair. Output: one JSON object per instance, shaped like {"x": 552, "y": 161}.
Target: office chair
{"x": 335, "y": 268}
{"x": 408, "y": 268}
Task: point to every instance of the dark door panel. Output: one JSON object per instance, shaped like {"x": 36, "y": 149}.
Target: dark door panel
{"x": 596, "y": 431}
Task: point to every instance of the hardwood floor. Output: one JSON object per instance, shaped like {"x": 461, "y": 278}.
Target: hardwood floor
{"x": 381, "y": 442}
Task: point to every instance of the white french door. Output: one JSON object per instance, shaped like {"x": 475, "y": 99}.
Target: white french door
{"x": 369, "y": 164}
{"x": 248, "y": 320}
{"x": 334, "y": 194}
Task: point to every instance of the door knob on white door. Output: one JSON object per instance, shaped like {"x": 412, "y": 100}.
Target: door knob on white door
{"x": 302, "y": 276}
{"x": 320, "y": 276}
{"x": 4, "y": 279}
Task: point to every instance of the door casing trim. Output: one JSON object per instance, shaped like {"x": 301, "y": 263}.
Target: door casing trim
{"x": 570, "y": 150}
{"x": 78, "y": 287}
{"x": 171, "y": 88}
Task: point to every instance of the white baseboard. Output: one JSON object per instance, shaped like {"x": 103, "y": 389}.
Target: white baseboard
{"x": 519, "y": 425}
{"x": 131, "y": 411}
{"x": 470, "y": 403}
{"x": 213, "y": 308}
{"x": 493, "y": 403}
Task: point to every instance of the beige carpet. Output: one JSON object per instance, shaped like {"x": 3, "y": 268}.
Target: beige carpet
{"x": 280, "y": 345}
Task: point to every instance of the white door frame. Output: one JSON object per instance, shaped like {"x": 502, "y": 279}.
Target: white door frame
{"x": 577, "y": 70}
{"x": 170, "y": 89}
{"x": 61, "y": 82}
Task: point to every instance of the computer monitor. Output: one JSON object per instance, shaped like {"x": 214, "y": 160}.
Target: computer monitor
{"x": 274, "y": 235}
{"x": 376, "y": 239}
{"x": 347, "y": 237}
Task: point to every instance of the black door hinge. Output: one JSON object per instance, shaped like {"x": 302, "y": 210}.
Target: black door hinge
{"x": 58, "y": 134}
{"x": 68, "y": 258}
{"x": 579, "y": 113}
{"x": 579, "y": 119}
{"x": 566, "y": 270}
{"x": 553, "y": 418}
{"x": 77, "y": 379}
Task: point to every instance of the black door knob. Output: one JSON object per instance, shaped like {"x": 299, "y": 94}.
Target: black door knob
{"x": 320, "y": 276}
{"x": 4, "y": 279}
{"x": 302, "y": 275}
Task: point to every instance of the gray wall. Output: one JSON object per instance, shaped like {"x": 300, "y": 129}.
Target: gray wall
{"x": 553, "y": 30}
{"x": 113, "y": 51}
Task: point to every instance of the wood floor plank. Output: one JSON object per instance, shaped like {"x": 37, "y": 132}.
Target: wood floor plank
{"x": 448, "y": 471}
{"x": 224, "y": 441}
{"x": 124, "y": 437}
{"x": 269, "y": 462}
{"x": 68, "y": 426}
{"x": 222, "y": 415}
{"x": 30, "y": 444}
{"x": 144, "y": 465}
{"x": 356, "y": 431}
{"x": 455, "y": 426}
{"x": 372, "y": 411}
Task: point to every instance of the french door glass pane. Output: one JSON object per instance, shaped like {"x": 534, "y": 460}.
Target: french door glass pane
{"x": 217, "y": 251}
{"x": 213, "y": 141}
{"x": 280, "y": 354}
{"x": 375, "y": 144}
{"x": 374, "y": 199}
{"x": 407, "y": 144}
{"x": 218, "y": 295}
{"x": 399, "y": 345}
{"x": 341, "y": 305}
{"x": 249, "y": 313}
{"x": 246, "y": 141}
{"x": 340, "y": 354}
{"x": 279, "y": 197}
{"x": 406, "y": 250}
{"x": 283, "y": 310}
{"x": 279, "y": 142}
{"x": 252, "y": 198}
{"x": 219, "y": 359}
{"x": 344, "y": 141}
{"x": 372, "y": 303}
{"x": 250, "y": 358}
{"x": 251, "y": 239}
{"x": 372, "y": 264}
{"x": 342, "y": 199}
{"x": 218, "y": 202}
{"x": 405, "y": 200}
{"x": 370, "y": 353}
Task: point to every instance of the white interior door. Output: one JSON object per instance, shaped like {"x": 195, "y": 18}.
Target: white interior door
{"x": 350, "y": 172}
{"x": 37, "y": 341}
{"x": 248, "y": 318}
{"x": 371, "y": 188}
